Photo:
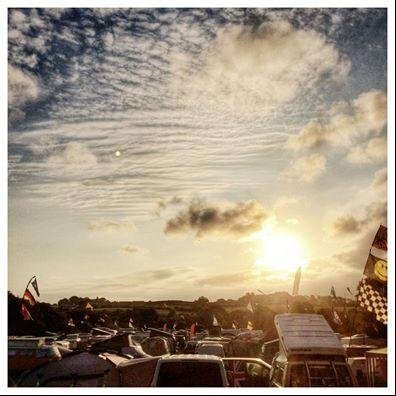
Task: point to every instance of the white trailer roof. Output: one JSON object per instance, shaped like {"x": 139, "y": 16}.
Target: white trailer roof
{"x": 306, "y": 334}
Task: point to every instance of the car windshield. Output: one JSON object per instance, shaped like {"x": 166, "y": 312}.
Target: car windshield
{"x": 190, "y": 373}
{"x": 320, "y": 375}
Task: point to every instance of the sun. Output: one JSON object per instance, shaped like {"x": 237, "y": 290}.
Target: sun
{"x": 281, "y": 252}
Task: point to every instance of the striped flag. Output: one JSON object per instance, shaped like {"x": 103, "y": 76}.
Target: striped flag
{"x": 336, "y": 317}
{"x": 25, "y": 313}
{"x": 29, "y": 297}
{"x": 35, "y": 286}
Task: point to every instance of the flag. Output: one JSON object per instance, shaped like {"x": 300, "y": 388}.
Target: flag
{"x": 165, "y": 327}
{"x": 332, "y": 292}
{"x": 192, "y": 331}
{"x": 25, "y": 313}
{"x": 215, "y": 322}
{"x": 373, "y": 299}
{"x": 235, "y": 371}
{"x": 249, "y": 325}
{"x": 376, "y": 269}
{"x": 336, "y": 317}
{"x": 130, "y": 323}
{"x": 35, "y": 286}
{"x": 233, "y": 325}
{"x": 71, "y": 322}
{"x": 297, "y": 279}
{"x": 250, "y": 307}
{"x": 381, "y": 238}
{"x": 29, "y": 297}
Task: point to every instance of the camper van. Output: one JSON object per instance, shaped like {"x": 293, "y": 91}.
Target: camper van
{"x": 310, "y": 354}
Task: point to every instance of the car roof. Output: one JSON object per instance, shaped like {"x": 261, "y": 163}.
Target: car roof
{"x": 210, "y": 344}
{"x": 187, "y": 357}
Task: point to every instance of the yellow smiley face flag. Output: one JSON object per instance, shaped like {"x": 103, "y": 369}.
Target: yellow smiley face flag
{"x": 376, "y": 269}
{"x": 381, "y": 270}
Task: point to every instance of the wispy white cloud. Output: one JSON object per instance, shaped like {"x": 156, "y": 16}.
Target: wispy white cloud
{"x": 306, "y": 169}
{"x": 375, "y": 150}
{"x": 365, "y": 115}
{"x": 130, "y": 248}
{"x": 22, "y": 88}
{"x": 111, "y": 226}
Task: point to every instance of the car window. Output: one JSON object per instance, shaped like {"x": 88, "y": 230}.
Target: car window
{"x": 278, "y": 375}
{"x": 343, "y": 375}
{"x": 298, "y": 375}
{"x": 187, "y": 374}
{"x": 322, "y": 374}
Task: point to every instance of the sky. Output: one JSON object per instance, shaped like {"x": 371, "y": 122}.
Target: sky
{"x": 173, "y": 153}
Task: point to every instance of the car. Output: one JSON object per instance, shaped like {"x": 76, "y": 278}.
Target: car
{"x": 209, "y": 371}
{"x": 190, "y": 347}
{"x": 206, "y": 348}
{"x": 190, "y": 371}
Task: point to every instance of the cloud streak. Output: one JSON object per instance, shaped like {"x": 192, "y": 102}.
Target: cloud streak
{"x": 107, "y": 226}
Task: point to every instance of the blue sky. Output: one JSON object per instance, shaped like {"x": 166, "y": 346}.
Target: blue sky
{"x": 148, "y": 148}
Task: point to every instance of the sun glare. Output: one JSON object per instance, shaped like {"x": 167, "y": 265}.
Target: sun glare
{"x": 281, "y": 252}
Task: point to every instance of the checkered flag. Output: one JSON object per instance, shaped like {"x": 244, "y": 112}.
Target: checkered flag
{"x": 373, "y": 300}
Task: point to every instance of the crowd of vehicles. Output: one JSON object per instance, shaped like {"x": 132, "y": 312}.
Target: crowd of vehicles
{"x": 306, "y": 354}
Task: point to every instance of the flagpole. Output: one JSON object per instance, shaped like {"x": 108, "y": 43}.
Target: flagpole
{"x": 352, "y": 323}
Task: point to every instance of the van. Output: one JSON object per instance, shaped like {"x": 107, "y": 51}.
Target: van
{"x": 310, "y": 354}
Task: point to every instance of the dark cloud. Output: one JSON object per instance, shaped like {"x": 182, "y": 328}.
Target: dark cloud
{"x": 374, "y": 214}
{"x": 357, "y": 257}
{"x": 205, "y": 219}
{"x": 347, "y": 224}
